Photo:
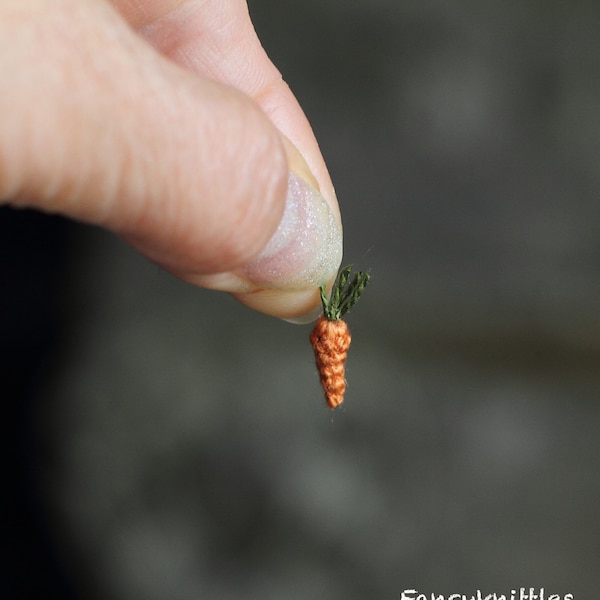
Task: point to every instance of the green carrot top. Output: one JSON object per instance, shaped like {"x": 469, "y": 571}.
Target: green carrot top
{"x": 344, "y": 295}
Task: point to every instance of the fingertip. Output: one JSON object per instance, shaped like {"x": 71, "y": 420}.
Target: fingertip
{"x": 304, "y": 253}
{"x": 295, "y": 307}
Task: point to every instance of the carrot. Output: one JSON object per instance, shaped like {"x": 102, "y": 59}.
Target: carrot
{"x": 330, "y": 337}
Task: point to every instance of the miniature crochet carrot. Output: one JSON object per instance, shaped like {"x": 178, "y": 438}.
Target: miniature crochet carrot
{"x": 330, "y": 337}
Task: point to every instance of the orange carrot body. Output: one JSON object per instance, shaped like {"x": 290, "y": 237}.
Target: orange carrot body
{"x": 330, "y": 341}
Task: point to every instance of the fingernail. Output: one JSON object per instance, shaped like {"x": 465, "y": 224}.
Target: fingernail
{"x": 306, "y": 250}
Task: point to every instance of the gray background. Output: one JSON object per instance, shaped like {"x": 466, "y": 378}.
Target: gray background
{"x": 185, "y": 449}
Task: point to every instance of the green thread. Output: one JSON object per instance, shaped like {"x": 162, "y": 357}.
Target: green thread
{"x": 343, "y": 295}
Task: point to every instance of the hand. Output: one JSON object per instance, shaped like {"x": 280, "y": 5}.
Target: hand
{"x": 165, "y": 122}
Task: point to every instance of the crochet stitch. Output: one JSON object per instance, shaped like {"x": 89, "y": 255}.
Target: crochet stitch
{"x": 330, "y": 341}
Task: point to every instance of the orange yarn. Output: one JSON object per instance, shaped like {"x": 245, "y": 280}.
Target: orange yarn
{"x": 330, "y": 341}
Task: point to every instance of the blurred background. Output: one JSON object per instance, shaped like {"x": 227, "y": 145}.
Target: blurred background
{"x": 163, "y": 442}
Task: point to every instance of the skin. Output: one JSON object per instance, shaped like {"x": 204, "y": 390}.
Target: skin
{"x": 161, "y": 120}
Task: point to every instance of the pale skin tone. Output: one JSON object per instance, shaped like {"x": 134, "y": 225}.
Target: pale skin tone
{"x": 161, "y": 120}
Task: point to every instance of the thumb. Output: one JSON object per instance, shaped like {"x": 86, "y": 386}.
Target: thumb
{"x": 105, "y": 130}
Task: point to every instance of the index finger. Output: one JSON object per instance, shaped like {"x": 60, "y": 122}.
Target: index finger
{"x": 216, "y": 39}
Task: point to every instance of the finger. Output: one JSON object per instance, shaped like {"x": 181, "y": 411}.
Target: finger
{"x": 216, "y": 39}
{"x": 190, "y": 171}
